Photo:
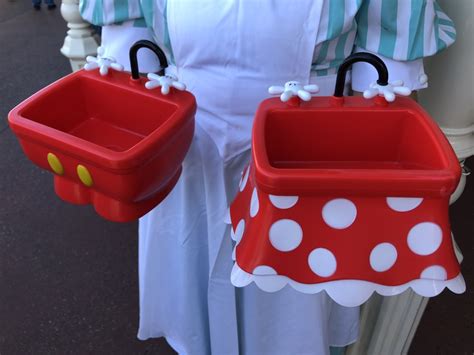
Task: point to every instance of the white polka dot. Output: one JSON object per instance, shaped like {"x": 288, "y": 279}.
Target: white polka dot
{"x": 254, "y": 204}
{"x": 239, "y": 231}
{"x": 245, "y": 177}
{"x": 423, "y": 79}
{"x": 322, "y": 262}
{"x": 434, "y": 272}
{"x": 264, "y": 270}
{"x": 403, "y": 204}
{"x": 383, "y": 257}
{"x": 285, "y": 235}
{"x": 227, "y": 217}
{"x": 339, "y": 213}
{"x": 425, "y": 238}
{"x": 283, "y": 202}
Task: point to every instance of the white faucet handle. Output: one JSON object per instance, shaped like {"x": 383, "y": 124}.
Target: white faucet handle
{"x": 387, "y": 91}
{"x": 294, "y": 88}
{"x": 102, "y": 62}
{"x": 166, "y": 82}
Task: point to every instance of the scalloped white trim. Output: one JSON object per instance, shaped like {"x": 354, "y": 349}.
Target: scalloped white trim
{"x": 349, "y": 293}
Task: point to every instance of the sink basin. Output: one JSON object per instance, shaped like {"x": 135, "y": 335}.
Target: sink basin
{"x": 351, "y": 145}
{"x": 109, "y": 141}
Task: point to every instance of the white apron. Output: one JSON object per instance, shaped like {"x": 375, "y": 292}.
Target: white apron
{"x": 227, "y": 53}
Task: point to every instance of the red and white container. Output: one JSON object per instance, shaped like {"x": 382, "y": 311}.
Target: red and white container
{"x": 349, "y": 196}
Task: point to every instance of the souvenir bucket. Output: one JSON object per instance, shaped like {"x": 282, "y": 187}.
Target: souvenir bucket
{"x": 346, "y": 195}
{"x": 108, "y": 140}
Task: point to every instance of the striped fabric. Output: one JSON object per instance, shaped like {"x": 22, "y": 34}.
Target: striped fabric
{"x": 402, "y": 30}
{"x": 108, "y": 12}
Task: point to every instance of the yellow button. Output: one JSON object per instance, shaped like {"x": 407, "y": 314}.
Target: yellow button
{"x": 55, "y": 164}
{"x": 84, "y": 175}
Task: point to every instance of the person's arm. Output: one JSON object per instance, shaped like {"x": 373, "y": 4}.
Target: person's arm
{"x": 402, "y": 33}
{"x": 123, "y": 23}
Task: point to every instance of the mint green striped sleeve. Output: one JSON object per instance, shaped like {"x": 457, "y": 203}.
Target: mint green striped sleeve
{"x": 403, "y": 30}
{"x": 110, "y": 12}
{"x": 336, "y": 35}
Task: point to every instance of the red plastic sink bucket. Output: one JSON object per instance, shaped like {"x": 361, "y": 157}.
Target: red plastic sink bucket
{"x": 346, "y": 190}
{"x": 349, "y": 196}
{"x": 110, "y": 141}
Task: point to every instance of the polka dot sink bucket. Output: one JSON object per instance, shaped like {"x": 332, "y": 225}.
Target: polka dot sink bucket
{"x": 349, "y": 196}
{"x": 108, "y": 140}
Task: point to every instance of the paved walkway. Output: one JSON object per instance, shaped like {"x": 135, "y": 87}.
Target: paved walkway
{"x": 68, "y": 279}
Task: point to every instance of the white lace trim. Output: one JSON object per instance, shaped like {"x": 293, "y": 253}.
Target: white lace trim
{"x": 349, "y": 293}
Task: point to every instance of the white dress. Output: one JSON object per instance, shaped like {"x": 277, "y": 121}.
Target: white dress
{"x": 185, "y": 243}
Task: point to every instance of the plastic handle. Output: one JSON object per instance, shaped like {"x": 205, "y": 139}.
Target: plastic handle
{"x": 153, "y": 47}
{"x": 375, "y": 61}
